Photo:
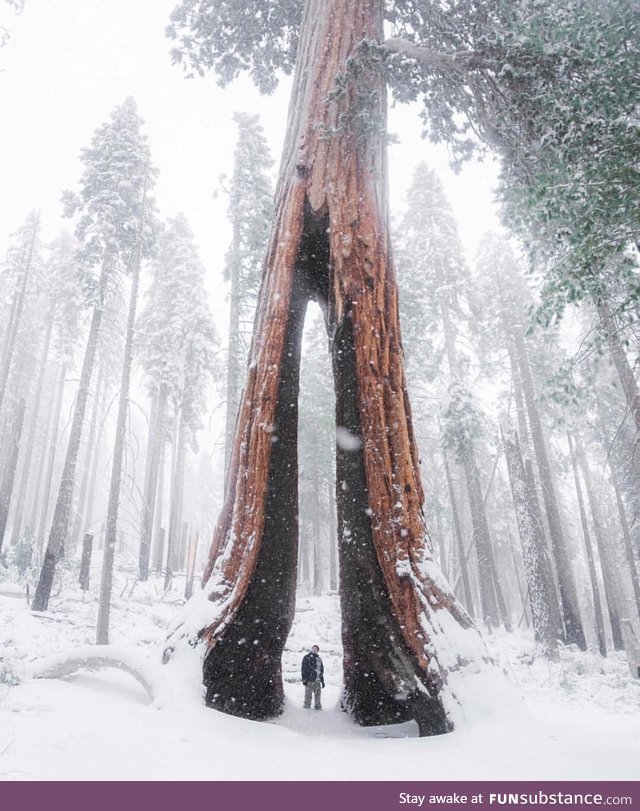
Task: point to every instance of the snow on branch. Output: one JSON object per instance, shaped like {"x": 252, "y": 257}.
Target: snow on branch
{"x": 93, "y": 658}
{"x": 458, "y": 61}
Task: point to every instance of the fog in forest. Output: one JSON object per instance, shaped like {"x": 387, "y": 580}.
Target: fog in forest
{"x": 451, "y": 383}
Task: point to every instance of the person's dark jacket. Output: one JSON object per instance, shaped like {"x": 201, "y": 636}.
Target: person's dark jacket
{"x": 312, "y": 668}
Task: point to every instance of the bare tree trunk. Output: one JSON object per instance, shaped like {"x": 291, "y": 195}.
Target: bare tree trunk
{"x": 9, "y": 473}
{"x": 532, "y": 540}
{"x": 108, "y": 558}
{"x": 62, "y": 512}
{"x": 330, "y": 241}
{"x": 51, "y": 456}
{"x": 155, "y": 446}
{"x": 31, "y": 437}
{"x": 597, "y": 605}
{"x": 569, "y": 603}
{"x": 610, "y": 577}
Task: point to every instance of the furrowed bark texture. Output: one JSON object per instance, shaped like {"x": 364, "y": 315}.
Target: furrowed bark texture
{"x": 330, "y": 242}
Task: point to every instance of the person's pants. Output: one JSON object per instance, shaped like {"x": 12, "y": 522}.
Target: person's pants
{"x": 313, "y": 688}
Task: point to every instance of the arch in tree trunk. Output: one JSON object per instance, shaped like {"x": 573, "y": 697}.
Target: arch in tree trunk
{"x": 330, "y": 243}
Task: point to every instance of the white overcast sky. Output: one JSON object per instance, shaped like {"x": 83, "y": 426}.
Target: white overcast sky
{"x": 71, "y": 61}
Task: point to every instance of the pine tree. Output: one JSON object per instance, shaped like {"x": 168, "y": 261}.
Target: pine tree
{"x": 505, "y": 302}
{"x": 108, "y": 216}
{"x": 59, "y": 304}
{"x": 144, "y": 237}
{"x": 250, "y": 212}
{"x": 436, "y": 285}
{"x": 177, "y": 344}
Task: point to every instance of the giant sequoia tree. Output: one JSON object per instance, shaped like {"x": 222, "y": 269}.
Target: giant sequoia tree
{"x": 330, "y": 242}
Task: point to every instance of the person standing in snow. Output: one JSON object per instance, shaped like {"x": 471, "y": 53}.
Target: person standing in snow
{"x": 312, "y": 678}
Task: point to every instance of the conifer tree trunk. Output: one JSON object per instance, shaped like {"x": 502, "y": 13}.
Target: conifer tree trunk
{"x": 626, "y": 534}
{"x": 21, "y": 497}
{"x": 595, "y": 590}
{"x": 62, "y": 512}
{"x": 9, "y": 472}
{"x": 175, "y": 503}
{"x": 620, "y": 360}
{"x": 51, "y": 454}
{"x": 111, "y": 535}
{"x": 606, "y": 551}
{"x": 530, "y": 531}
{"x": 462, "y": 555}
{"x": 492, "y": 603}
{"x": 158, "y": 529}
{"x": 91, "y": 451}
{"x": 155, "y": 446}
{"x": 524, "y": 441}
{"x": 568, "y": 594}
{"x": 330, "y": 242}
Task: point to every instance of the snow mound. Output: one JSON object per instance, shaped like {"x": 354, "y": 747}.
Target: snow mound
{"x": 93, "y": 658}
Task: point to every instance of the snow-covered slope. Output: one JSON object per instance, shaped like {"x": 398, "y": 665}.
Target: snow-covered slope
{"x": 582, "y": 716}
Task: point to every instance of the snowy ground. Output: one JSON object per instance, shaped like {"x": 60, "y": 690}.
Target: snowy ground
{"x": 579, "y": 719}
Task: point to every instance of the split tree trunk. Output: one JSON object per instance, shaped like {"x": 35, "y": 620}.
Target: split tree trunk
{"x": 330, "y": 242}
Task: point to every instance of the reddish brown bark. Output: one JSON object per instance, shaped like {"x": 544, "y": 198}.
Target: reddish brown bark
{"x": 330, "y": 242}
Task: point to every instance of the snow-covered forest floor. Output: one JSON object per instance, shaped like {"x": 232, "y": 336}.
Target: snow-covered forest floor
{"x": 580, "y": 717}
